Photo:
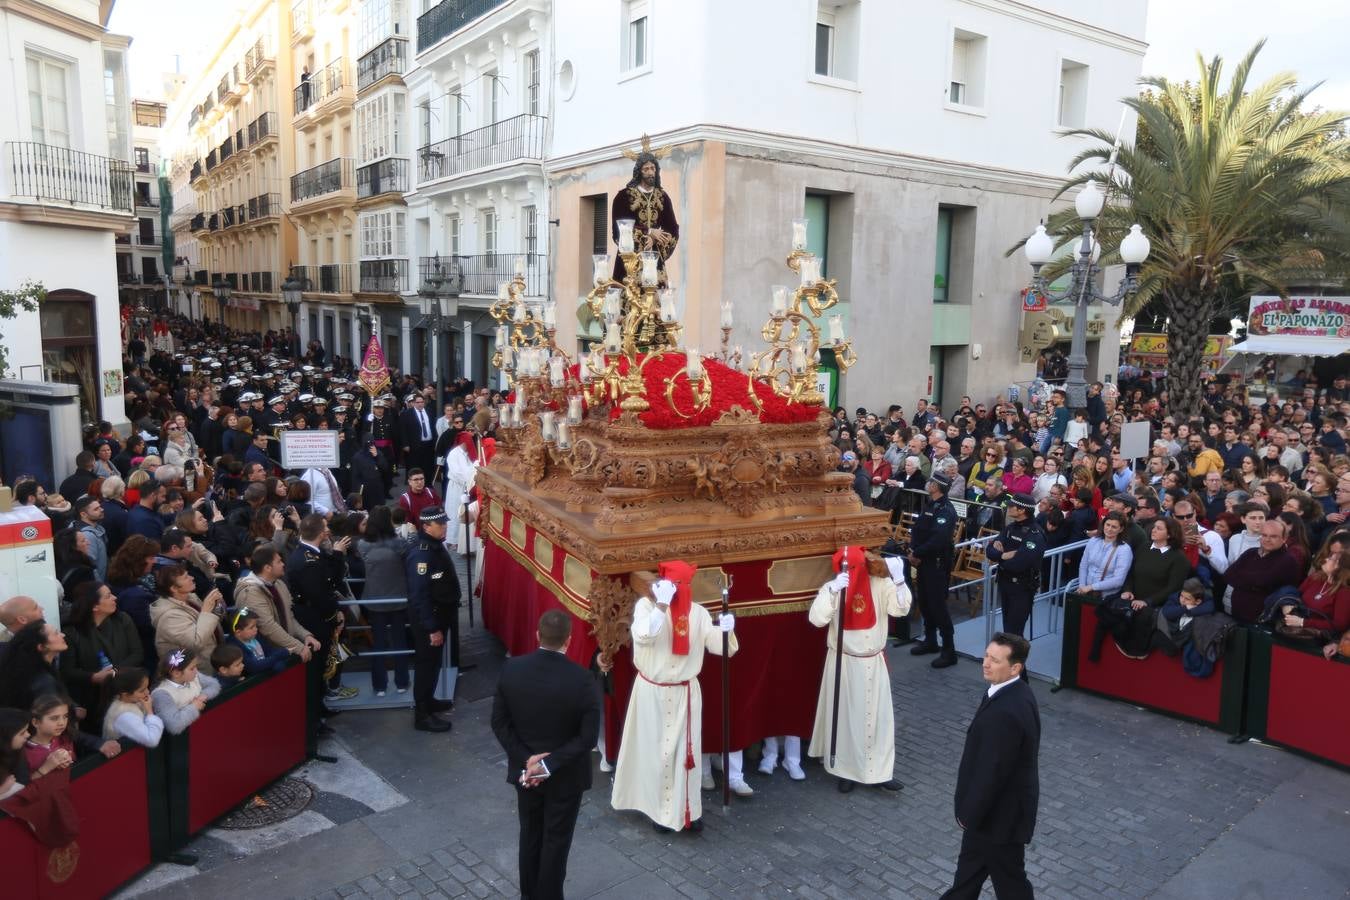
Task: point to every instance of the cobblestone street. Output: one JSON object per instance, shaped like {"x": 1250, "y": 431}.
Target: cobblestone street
{"x": 1133, "y": 804}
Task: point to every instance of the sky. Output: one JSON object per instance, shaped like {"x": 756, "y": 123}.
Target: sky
{"x": 1304, "y": 36}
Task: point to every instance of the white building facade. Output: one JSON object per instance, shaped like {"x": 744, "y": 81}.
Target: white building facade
{"x": 66, "y": 191}
{"x": 140, "y": 255}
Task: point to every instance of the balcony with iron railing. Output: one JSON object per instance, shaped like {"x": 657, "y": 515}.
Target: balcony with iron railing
{"x": 518, "y": 138}
{"x": 213, "y": 222}
{"x": 335, "y": 278}
{"x": 384, "y": 276}
{"x": 388, "y": 58}
{"x": 225, "y": 151}
{"x": 331, "y": 177}
{"x": 264, "y": 206}
{"x": 258, "y": 282}
{"x": 449, "y": 16}
{"x": 482, "y": 274}
{"x": 228, "y": 217}
{"x": 194, "y": 117}
{"x": 262, "y": 129}
{"x": 383, "y": 177}
{"x": 147, "y": 240}
{"x": 211, "y": 161}
{"x": 198, "y": 222}
{"x": 328, "y": 86}
{"x": 197, "y": 171}
{"x": 208, "y": 104}
{"x": 302, "y": 21}
{"x": 145, "y": 202}
{"x": 51, "y": 175}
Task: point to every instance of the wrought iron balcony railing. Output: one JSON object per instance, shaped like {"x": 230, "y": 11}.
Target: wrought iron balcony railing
{"x": 322, "y": 84}
{"x": 327, "y": 279}
{"x": 326, "y": 178}
{"x": 389, "y": 57}
{"x": 382, "y": 177}
{"x": 51, "y": 174}
{"x": 520, "y": 137}
{"x": 384, "y": 276}
{"x": 449, "y": 16}
{"x": 482, "y": 273}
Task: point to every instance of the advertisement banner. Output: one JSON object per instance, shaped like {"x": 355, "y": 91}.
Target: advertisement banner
{"x": 1300, "y": 316}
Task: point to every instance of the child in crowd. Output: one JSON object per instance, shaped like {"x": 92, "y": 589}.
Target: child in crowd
{"x": 181, "y": 694}
{"x": 402, "y": 527}
{"x": 130, "y": 715}
{"x": 1176, "y": 624}
{"x": 258, "y": 655}
{"x": 228, "y": 661}
{"x": 1076, "y": 431}
{"x": 53, "y": 743}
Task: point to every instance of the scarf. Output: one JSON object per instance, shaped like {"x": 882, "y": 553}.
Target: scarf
{"x": 860, "y": 613}
{"x": 682, "y": 573}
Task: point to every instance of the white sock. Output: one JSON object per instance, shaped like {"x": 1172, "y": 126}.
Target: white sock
{"x": 792, "y": 750}
{"x": 771, "y": 750}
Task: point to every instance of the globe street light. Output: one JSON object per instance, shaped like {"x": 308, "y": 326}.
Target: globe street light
{"x": 1082, "y": 289}
{"x": 292, "y": 290}
{"x": 221, "y": 288}
{"x": 430, "y": 292}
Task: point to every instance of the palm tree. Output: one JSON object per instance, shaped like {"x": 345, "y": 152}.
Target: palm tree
{"x": 1236, "y": 189}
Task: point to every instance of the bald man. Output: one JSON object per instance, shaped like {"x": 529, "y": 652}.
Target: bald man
{"x": 15, "y": 613}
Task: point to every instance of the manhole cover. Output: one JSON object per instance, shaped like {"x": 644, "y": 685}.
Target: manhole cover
{"x": 284, "y": 800}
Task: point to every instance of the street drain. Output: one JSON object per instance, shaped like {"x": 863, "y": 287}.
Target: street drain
{"x": 283, "y": 800}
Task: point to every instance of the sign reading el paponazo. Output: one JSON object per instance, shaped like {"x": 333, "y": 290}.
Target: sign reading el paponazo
{"x": 1300, "y": 316}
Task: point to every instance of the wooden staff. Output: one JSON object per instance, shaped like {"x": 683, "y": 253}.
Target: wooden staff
{"x": 838, "y": 664}
{"x": 726, "y": 701}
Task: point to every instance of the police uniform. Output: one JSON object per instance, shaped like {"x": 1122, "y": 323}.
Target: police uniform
{"x": 1019, "y": 565}
{"x": 315, "y": 578}
{"x": 433, "y": 607}
{"x": 932, "y": 540}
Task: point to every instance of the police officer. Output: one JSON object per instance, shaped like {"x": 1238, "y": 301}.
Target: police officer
{"x": 931, "y": 553}
{"x": 315, "y": 575}
{"x": 433, "y": 607}
{"x": 1018, "y": 550}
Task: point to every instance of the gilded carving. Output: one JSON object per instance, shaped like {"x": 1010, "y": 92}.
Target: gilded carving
{"x": 611, "y": 614}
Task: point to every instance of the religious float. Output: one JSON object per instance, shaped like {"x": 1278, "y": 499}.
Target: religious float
{"x": 643, "y": 450}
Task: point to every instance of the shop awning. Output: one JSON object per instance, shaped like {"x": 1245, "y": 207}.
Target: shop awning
{"x": 1291, "y": 345}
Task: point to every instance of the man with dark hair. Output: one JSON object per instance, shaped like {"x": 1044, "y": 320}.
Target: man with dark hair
{"x": 546, "y": 716}
{"x": 89, "y": 519}
{"x": 265, "y": 592}
{"x": 144, "y": 517}
{"x": 649, "y": 207}
{"x": 433, "y": 608}
{"x": 932, "y": 552}
{"x": 77, "y": 483}
{"x": 1018, "y": 550}
{"x": 998, "y": 782}
{"x": 316, "y": 578}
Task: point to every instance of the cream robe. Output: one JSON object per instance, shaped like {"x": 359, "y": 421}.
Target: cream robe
{"x": 662, "y": 722}
{"x": 866, "y": 752}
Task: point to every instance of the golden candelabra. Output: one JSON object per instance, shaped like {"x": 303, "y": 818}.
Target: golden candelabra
{"x": 790, "y": 363}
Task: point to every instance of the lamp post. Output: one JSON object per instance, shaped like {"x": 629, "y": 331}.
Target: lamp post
{"x": 221, "y": 288}
{"x": 292, "y": 290}
{"x": 430, "y": 292}
{"x": 1082, "y": 289}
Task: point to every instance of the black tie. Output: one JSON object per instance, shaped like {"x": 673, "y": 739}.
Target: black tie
{"x": 984, "y": 703}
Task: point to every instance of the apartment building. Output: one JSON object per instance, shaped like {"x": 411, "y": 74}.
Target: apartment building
{"x": 141, "y": 273}
{"x": 66, "y": 192}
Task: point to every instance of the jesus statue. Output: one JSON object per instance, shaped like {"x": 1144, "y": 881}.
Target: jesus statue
{"x": 652, "y": 212}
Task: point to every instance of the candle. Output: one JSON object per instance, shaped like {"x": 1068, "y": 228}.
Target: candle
{"x": 726, "y": 313}
{"x": 798, "y": 359}
{"x": 504, "y": 291}
{"x": 601, "y": 271}
{"x": 779, "y": 299}
{"x": 551, "y": 314}
{"x": 613, "y": 307}
{"x": 506, "y": 358}
{"x": 574, "y": 408}
{"x": 810, "y": 270}
{"x": 564, "y": 439}
{"x": 648, "y": 268}
{"x": 694, "y": 368}
{"x": 555, "y": 371}
{"x": 501, "y": 335}
{"x": 520, "y": 398}
{"x": 612, "y": 340}
{"x": 584, "y": 366}
{"x": 518, "y": 314}
{"x": 625, "y": 227}
{"x": 836, "y": 324}
{"x": 799, "y": 234}
{"x": 520, "y": 267}
{"x": 667, "y": 296}
{"x": 547, "y": 426}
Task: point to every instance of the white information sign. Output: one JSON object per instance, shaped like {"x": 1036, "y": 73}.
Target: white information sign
{"x": 309, "y": 448}
{"x": 1134, "y": 440}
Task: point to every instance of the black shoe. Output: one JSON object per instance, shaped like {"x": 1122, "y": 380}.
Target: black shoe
{"x": 923, "y": 648}
{"x": 695, "y": 827}
{"x": 891, "y": 785}
{"x": 845, "y": 786}
{"x": 331, "y": 713}
{"x": 431, "y": 723}
{"x": 440, "y": 705}
{"x": 325, "y": 731}
{"x": 947, "y": 658}
{"x": 661, "y": 829}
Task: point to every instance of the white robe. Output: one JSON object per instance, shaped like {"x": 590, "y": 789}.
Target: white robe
{"x": 866, "y": 752}
{"x": 664, "y": 722}
{"x": 460, "y": 472}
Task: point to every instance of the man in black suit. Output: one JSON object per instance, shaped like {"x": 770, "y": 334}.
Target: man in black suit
{"x": 417, "y": 436}
{"x": 998, "y": 784}
{"x": 546, "y": 715}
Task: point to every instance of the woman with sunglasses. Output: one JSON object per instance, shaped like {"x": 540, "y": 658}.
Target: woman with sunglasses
{"x": 989, "y": 466}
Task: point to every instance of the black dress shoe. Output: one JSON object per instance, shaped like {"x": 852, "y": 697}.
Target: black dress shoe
{"x": 891, "y": 785}
{"x": 695, "y": 827}
{"x": 431, "y": 723}
{"x": 325, "y": 731}
{"x": 441, "y": 705}
{"x": 943, "y": 661}
{"x": 661, "y": 829}
{"x": 923, "y": 648}
{"x": 845, "y": 786}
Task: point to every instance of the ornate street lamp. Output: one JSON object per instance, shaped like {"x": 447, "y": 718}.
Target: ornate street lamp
{"x": 221, "y": 288}
{"x": 1082, "y": 288}
{"x": 430, "y": 292}
{"x": 292, "y": 291}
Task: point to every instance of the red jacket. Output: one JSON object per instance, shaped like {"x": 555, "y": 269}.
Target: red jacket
{"x": 1329, "y": 609}
{"x": 415, "y": 503}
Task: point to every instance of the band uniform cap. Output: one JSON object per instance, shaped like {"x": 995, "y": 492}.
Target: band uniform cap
{"x": 339, "y": 410}
{"x": 320, "y": 400}
{"x": 849, "y": 456}
{"x": 410, "y": 398}
{"x": 235, "y": 382}
{"x": 277, "y": 399}
{"x": 1026, "y": 501}
{"x": 377, "y": 403}
{"x": 306, "y": 398}
{"x": 941, "y": 481}
{"x": 433, "y": 514}
{"x": 1126, "y": 498}
{"x": 307, "y": 368}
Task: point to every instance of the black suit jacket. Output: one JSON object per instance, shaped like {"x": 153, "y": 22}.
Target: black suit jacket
{"x": 410, "y": 432}
{"x": 546, "y": 703}
{"x": 998, "y": 786}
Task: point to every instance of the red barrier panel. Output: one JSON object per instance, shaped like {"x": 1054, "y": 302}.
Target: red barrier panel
{"x": 244, "y": 744}
{"x": 1306, "y": 708}
{"x": 113, "y": 803}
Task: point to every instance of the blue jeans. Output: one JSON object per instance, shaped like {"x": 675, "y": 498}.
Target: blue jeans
{"x": 388, "y": 631}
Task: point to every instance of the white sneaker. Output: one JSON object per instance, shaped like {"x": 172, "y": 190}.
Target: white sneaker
{"x": 379, "y": 693}
{"x": 605, "y": 766}
{"x": 708, "y": 783}
{"x": 741, "y": 789}
{"x": 402, "y": 690}
{"x": 766, "y": 765}
{"x": 794, "y": 771}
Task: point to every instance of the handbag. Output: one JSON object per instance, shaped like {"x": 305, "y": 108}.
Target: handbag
{"x": 1344, "y": 647}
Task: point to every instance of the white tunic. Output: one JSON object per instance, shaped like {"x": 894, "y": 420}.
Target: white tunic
{"x": 866, "y": 751}
{"x": 460, "y": 472}
{"x": 664, "y": 725}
